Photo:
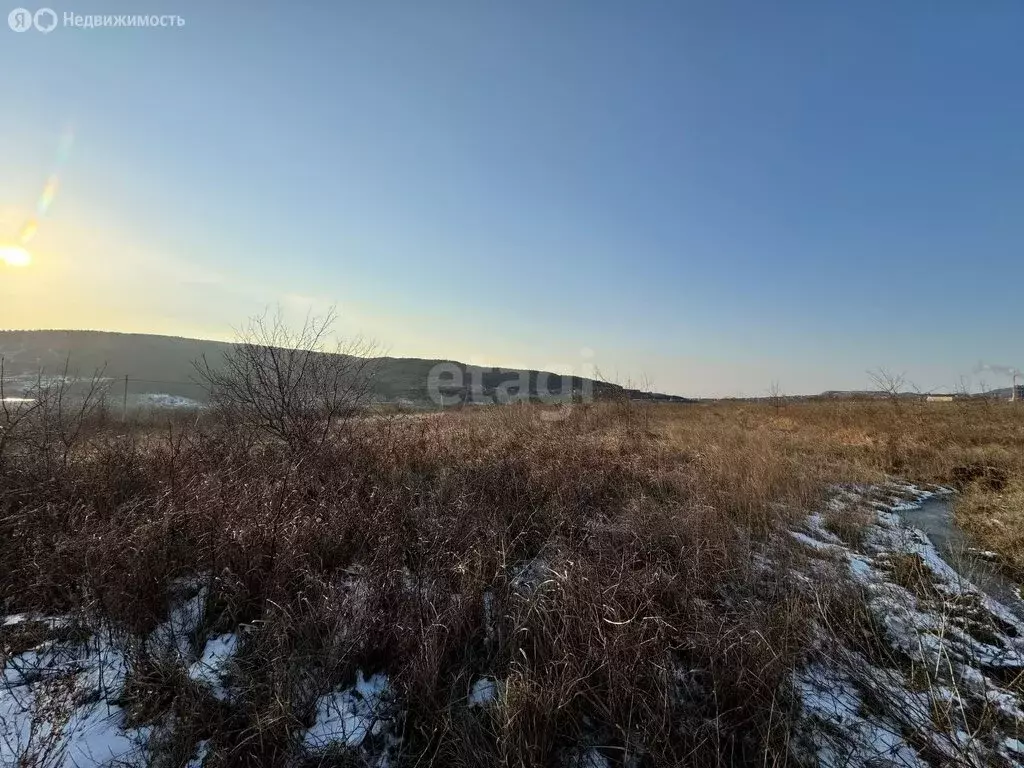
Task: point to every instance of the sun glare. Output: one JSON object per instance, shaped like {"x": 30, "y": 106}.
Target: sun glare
{"x": 15, "y": 256}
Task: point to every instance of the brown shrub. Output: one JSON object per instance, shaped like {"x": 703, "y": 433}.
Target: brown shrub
{"x": 603, "y": 568}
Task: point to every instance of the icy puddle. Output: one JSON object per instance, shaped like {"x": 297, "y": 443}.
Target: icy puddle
{"x": 940, "y": 678}
{"x": 934, "y": 518}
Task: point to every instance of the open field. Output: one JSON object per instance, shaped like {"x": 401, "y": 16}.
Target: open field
{"x": 603, "y": 584}
{"x": 521, "y": 385}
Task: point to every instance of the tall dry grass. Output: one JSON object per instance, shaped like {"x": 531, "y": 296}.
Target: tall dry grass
{"x": 600, "y": 560}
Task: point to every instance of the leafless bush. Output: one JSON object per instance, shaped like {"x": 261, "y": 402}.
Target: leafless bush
{"x": 889, "y": 383}
{"x": 47, "y": 422}
{"x": 288, "y": 384}
{"x": 608, "y": 581}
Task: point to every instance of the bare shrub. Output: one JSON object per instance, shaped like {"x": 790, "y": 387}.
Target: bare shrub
{"x": 611, "y": 584}
{"x": 45, "y": 425}
{"x": 285, "y": 384}
{"x": 776, "y": 395}
{"x": 889, "y": 383}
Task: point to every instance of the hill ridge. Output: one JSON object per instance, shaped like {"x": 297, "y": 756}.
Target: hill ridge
{"x": 159, "y": 363}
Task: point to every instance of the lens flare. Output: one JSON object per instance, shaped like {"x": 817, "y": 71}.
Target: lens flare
{"x": 15, "y": 256}
{"x": 47, "y": 196}
{"x": 29, "y": 231}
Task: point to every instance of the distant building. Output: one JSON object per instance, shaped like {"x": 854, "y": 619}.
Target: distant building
{"x": 940, "y": 398}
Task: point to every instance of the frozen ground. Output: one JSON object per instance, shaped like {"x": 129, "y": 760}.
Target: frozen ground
{"x": 55, "y": 706}
{"x": 159, "y": 400}
{"x": 938, "y": 682}
{"x": 361, "y": 717}
{"x": 942, "y": 680}
{"x": 61, "y": 700}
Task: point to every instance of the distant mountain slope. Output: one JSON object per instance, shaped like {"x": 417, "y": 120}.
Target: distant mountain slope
{"x": 140, "y": 356}
{"x": 163, "y": 364}
{"x": 1003, "y": 393}
{"x": 862, "y": 394}
{"x": 995, "y": 394}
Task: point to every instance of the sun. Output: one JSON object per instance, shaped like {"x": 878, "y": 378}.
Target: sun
{"x": 15, "y": 256}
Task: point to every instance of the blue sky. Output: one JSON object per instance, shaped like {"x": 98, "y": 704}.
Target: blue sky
{"x": 708, "y": 195}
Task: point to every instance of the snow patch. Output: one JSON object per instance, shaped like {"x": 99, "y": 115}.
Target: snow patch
{"x": 211, "y": 668}
{"x": 202, "y": 750}
{"x": 483, "y": 693}
{"x": 176, "y": 635}
{"x": 161, "y": 400}
{"x": 58, "y": 701}
{"x": 591, "y": 757}
{"x": 855, "y": 713}
{"x": 56, "y": 707}
{"x": 843, "y": 736}
{"x": 350, "y": 716}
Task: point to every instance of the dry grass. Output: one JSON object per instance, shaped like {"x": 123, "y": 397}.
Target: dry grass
{"x": 849, "y": 524}
{"x": 995, "y": 518}
{"x": 911, "y": 573}
{"x": 401, "y": 545}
